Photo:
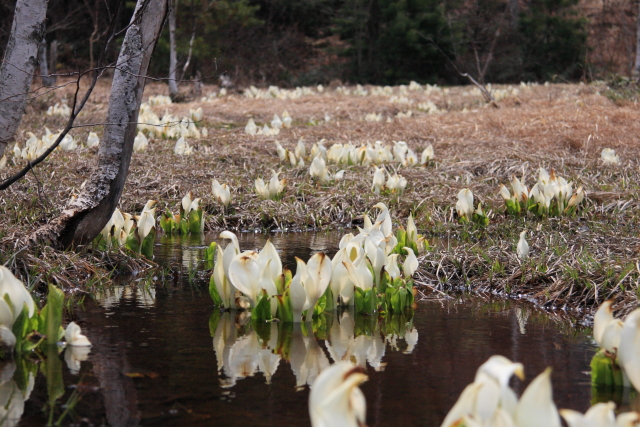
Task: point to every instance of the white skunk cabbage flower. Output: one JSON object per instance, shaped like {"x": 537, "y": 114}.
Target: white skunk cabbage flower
{"x": 335, "y": 399}
{"x": 196, "y": 115}
{"x": 73, "y": 336}
{"x": 600, "y": 415}
{"x": 630, "y": 348}
{"x": 318, "y": 170}
{"x": 276, "y": 185}
{"x": 282, "y": 152}
{"x": 495, "y": 375}
{"x": 378, "y": 180}
{"x": 504, "y": 192}
{"x": 146, "y": 223}
{"x": 412, "y": 230}
{"x": 12, "y": 287}
{"x": 251, "y": 128}
{"x": 182, "y": 148}
{"x": 225, "y": 289}
{"x": 464, "y": 205}
{"x": 292, "y": 158}
{"x": 464, "y": 406}
{"x": 276, "y": 123}
{"x": 68, "y": 143}
{"x": 309, "y": 284}
{"x": 523, "y": 247}
{"x": 92, "y": 140}
{"x": 150, "y": 207}
{"x": 269, "y": 255}
{"x": 536, "y": 407}
{"x": 301, "y": 149}
{"x": 576, "y": 199}
{"x": 411, "y": 159}
{"x": 520, "y": 192}
{"x": 603, "y": 316}
{"x": 140, "y": 142}
{"x": 410, "y": 263}
{"x": 391, "y": 266}
{"x": 609, "y": 155}
{"x": 245, "y": 274}
{"x": 222, "y": 193}
{"x": 385, "y": 219}
{"x": 396, "y": 183}
{"x": 261, "y": 188}
{"x": 286, "y": 119}
{"x": 427, "y": 155}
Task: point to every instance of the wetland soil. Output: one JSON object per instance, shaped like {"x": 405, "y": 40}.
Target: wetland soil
{"x": 576, "y": 262}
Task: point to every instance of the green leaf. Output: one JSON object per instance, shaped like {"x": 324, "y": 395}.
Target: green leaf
{"x": 53, "y": 319}
{"x": 285, "y": 312}
{"x": 133, "y": 241}
{"x": 262, "y": 311}
{"x": 210, "y": 252}
{"x": 195, "y": 221}
{"x": 285, "y": 334}
{"x": 213, "y": 321}
{"x": 19, "y": 328}
{"x": 604, "y": 371}
{"x": 146, "y": 248}
{"x": 53, "y": 371}
{"x": 213, "y": 291}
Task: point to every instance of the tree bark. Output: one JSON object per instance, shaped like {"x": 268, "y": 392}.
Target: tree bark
{"x": 84, "y": 218}
{"x": 636, "y": 69}
{"x": 173, "y": 59}
{"x": 18, "y": 64}
{"x": 514, "y": 12}
{"x": 45, "y": 77}
{"x": 53, "y": 61}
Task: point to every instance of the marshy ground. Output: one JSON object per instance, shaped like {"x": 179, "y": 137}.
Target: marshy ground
{"x": 576, "y": 262}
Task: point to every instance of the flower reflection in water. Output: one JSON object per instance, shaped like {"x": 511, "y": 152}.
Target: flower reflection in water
{"x": 244, "y": 348}
{"x": 12, "y": 397}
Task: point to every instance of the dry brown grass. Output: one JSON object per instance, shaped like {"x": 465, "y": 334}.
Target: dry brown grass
{"x": 576, "y": 262}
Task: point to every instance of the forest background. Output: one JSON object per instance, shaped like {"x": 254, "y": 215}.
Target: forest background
{"x": 304, "y": 42}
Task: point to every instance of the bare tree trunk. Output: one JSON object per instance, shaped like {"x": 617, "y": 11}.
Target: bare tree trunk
{"x": 514, "y": 11}
{"x": 84, "y": 218}
{"x": 636, "y": 69}
{"x": 45, "y": 77}
{"x": 173, "y": 60}
{"x": 53, "y": 61}
{"x": 18, "y": 64}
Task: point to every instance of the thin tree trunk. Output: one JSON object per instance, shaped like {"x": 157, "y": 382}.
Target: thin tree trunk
{"x": 53, "y": 61}
{"x": 173, "y": 60}
{"x": 636, "y": 70}
{"x": 43, "y": 60}
{"x": 18, "y": 64}
{"x": 84, "y": 218}
{"x": 514, "y": 11}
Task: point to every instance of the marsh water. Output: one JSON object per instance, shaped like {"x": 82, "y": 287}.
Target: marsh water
{"x": 162, "y": 355}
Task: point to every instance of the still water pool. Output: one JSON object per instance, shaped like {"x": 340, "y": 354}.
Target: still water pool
{"x": 162, "y": 355}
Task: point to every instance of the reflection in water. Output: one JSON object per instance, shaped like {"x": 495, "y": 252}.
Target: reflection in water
{"x": 12, "y": 396}
{"x": 523, "y": 315}
{"x": 73, "y": 355}
{"x": 142, "y": 295}
{"x": 244, "y": 348}
{"x": 152, "y": 358}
